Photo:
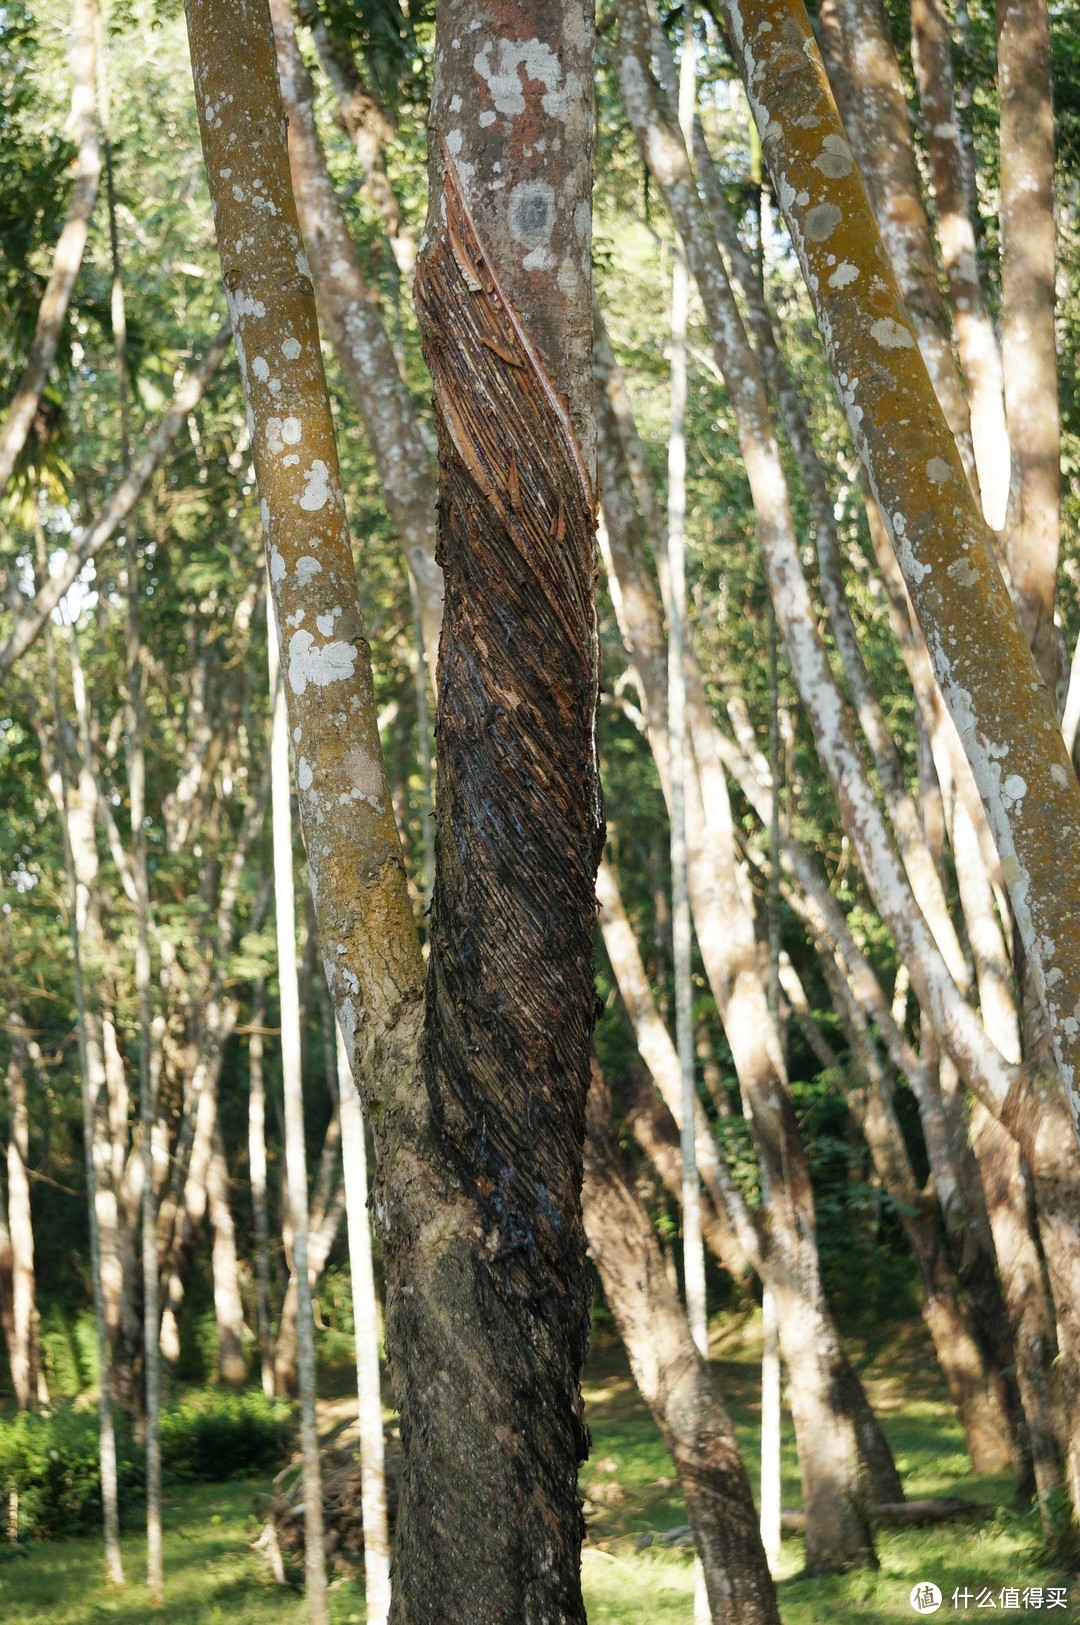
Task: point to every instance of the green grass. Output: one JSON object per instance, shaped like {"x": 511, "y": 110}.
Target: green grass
{"x": 213, "y": 1575}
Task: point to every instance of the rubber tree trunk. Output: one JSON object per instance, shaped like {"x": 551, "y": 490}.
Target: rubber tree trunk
{"x": 503, "y": 296}
{"x": 257, "y": 1175}
{"x": 135, "y": 724}
{"x": 295, "y": 1150}
{"x": 880, "y": 129}
{"x": 675, "y": 1381}
{"x": 1029, "y": 345}
{"x": 228, "y": 1307}
{"x": 976, "y": 342}
{"x": 679, "y": 753}
{"x": 91, "y": 1066}
{"x": 23, "y": 1348}
{"x": 486, "y": 1298}
{"x": 366, "y": 1330}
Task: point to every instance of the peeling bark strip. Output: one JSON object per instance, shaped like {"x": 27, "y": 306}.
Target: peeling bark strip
{"x": 510, "y": 981}
{"x": 979, "y": 653}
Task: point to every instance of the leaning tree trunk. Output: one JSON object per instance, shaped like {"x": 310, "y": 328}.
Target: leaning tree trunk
{"x": 979, "y": 653}
{"x": 675, "y": 1381}
{"x": 478, "y": 1175}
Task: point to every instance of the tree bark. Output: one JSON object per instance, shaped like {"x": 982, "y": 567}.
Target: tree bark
{"x": 228, "y": 1308}
{"x": 881, "y": 137}
{"x": 1029, "y": 344}
{"x": 976, "y": 342}
{"x": 503, "y": 296}
{"x": 675, "y": 1381}
{"x": 486, "y": 1296}
{"x": 352, "y": 314}
{"x": 23, "y": 1345}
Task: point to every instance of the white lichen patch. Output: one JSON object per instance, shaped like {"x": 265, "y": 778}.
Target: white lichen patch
{"x": 290, "y": 348}
{"x": 277, "y": 565}
{"x": 844, "y": 275}
{"x": 963, "y": 572}
{"x": 304, "y": 774}
{"x": 325, "y": 623}
{"x": 306, "y": 569}
{"x": 937, "y": 471}
{"x": 821, "y": 221}
{"x": 242, "y": 304}
{"x": 274, "y": 442}
{"x": 317, "y": 491}
{"x": 310, "y": 663}
{"x": 891, "y": 335}
{"x": 260, "y": 368}
{"x": 834, "y": 159}
{"x": 291, "y": 431}
{"x": 501, "y": 73}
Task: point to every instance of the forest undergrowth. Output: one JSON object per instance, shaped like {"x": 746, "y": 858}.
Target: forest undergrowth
{"x": 637, "y": 1560}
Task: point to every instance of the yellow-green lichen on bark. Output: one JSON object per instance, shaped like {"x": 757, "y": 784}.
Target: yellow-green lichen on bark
{"x": 979, "y": 653}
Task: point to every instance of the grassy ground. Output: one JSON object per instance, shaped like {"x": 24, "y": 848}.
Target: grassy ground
{"x": 637, "y": 1571}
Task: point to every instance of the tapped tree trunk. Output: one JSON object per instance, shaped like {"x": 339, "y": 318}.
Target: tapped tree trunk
{"x": 479, "y": 1142}
{"x": 504, "y": 300}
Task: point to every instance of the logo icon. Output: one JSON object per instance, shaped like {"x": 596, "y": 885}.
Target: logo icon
{"x": 925, "y": 1597}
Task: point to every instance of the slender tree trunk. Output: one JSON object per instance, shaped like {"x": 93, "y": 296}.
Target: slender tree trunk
{"x": 257, "y": 1174}
{"x": 136, "y": 767}
{"x": 228, "y": 1308}
{"x": 92, "y": 1067}
{"x": 295, "y": 1151}
{"x": 1028, "y": 338}
{"x": 880, "y": 131}
{"x": 366, "y": 1330}
{"x": 23, "y": 1343}
{"x": 68, "y": 254}
{"x": 770, "y": 1429}
{"x": 352, "y": 313}
{"x": 976, "y": 341}
{"x": 693, "y": 1252}
{"x": 675, "y": 1382}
